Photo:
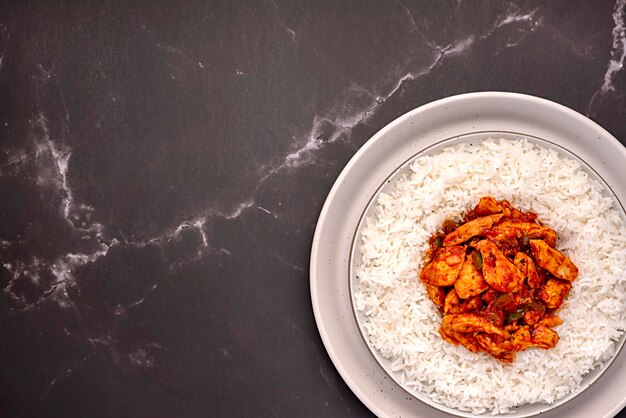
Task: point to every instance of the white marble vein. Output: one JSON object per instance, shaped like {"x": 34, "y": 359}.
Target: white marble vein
{"x": 53, "y": 159}
{"x": 197, "y": 223}
{"x": 122, "y": 309}
{"x": 64, "y": 268}
{"x": 415, "y": 28}
{"x": 21, "y": 271}
{"x": 343, "y": 121}
{"x": 141, "y": 359}
{"x": 515, "y": 17}
{"x": 278, "y": 19}
{"x": 67, "y": 372}
{"x": 53, "y": 163}
{"x": 617, "y": 53}
{"x": 180, "y": 53}
{"x": 14, "y": 161}
{"x": 238, "y": 210}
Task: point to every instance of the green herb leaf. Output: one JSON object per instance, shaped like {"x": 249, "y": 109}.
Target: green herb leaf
{"x": 477, "y": 258}
{"x": 513, "y": 316}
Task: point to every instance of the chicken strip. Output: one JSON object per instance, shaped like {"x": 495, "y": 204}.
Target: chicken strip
{"x": 515, "y": 214}
{"x": 532, "y": 317}
{"x": 468, "y": 341}
{"x": 451, "y": 303}
{"x": 506, "y": 357}
{"x": 498, "y": 271}
{"x": 459, "y": 323}
{"x": 471, "y": 304}
{"x": 495, "y": 316}
{"x": 490, "y": 296}
{"x": 543, "y": 337}
{"x": 553, "y": 293}
{"x": 526, "y": 265}
{"x": 512, "y": 327}
{"x": 511, "y": 231}
{"x": 552, "y": 260}
{"x": 521, "y": 339}
{"x": 470, "y": 229}
{"x": 436, "y": 294}
{"x": 487, "y": 206}
{"x": 446, "y": 337}
{"x": 551, "y": 321}
{"x": 470, "y": 281}
{"x": 445, "y": 267}
{"x": 495, "y": 346}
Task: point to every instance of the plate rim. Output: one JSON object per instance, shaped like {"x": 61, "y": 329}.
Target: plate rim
{"x": 332, "y": 195}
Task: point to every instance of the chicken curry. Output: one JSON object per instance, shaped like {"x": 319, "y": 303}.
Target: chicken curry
{"x": 498, "y": 280}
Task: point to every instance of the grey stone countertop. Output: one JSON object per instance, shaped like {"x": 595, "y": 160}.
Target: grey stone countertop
{"x": 163, "y": 165}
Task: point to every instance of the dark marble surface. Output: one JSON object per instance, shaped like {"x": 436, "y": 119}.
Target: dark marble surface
{"x": 163, "y": 165}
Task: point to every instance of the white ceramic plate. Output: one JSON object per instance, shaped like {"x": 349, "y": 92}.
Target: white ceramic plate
{"x": 383, "y": 154}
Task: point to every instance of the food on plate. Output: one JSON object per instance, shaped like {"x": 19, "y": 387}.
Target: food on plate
{"x": 525, "y": 286}
{"x": 549, "y": 195}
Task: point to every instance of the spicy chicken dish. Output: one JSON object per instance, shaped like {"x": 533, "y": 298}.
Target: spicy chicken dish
{"x": 498, "y": 280}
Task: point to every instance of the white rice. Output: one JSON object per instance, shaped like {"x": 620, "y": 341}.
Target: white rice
{"x": 402, "y": 323}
